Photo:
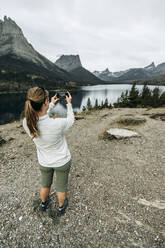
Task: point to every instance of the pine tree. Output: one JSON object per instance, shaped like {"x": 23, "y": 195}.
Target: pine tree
{"x": 134, "y": 99}
{"x": 96, "y": 104}
{"x": 89, "y": 105}
{"x": 124, "y": 99}
{"x": 84, "y": 108}
{"x": 162, "y": 99}
{"x": 156, "y": 97}
{"x": 106, "y": 103}
{"x": 146, "y": 97}
{"x": 102, "y": 105}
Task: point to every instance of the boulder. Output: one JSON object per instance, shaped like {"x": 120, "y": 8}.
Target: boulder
{"x": 120, "y": 133}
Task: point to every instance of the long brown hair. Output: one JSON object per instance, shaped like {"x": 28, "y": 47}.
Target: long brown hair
{"x": 35, "y": 98}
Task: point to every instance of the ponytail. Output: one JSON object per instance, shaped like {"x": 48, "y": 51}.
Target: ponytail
{"x": 35, "y": 98}
{"x": 31, "y": 119}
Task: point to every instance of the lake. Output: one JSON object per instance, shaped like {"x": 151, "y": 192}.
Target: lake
{"x": 12, "y": 105}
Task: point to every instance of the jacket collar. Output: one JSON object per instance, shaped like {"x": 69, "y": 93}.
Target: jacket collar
{"x": 43, "y": 117}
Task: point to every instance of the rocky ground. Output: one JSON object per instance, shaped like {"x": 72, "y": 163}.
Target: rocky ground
{"x": 116, "y": 187}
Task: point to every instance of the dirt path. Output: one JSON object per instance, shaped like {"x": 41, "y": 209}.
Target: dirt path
{"x": 116, "y": 189}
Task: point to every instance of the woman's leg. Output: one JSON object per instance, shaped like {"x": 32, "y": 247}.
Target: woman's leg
{"x": 44, "y": 192}
{"x": 46, "y": 182}
{"x": 61, "y": 198}
{"x": 62, "y": 182}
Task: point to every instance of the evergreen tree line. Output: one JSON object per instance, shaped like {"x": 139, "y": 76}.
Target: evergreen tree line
{"x": 104, "y": 104}
{"x": 132, "y": 99}
{"x": 147, "y": 98}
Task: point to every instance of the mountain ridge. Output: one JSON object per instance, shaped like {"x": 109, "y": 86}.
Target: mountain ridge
{"x": 148, "y": 71}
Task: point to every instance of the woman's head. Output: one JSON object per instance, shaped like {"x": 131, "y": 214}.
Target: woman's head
{"x": 37, "y": 99}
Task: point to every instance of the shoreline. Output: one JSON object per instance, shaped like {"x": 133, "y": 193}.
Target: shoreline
{"x": 75, "y": 88}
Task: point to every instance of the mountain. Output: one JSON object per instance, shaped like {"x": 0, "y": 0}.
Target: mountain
{"x": 85, "y": 76}
{"x": 107, "y": 75}
{"x": 161, "y": 69}
{"x": 148, "y": 71}
{"x": 103, "y": 75}
{"x": 73, "y": 65}
{"x": 19, "y": 55}
{"x": 68, "y": 62}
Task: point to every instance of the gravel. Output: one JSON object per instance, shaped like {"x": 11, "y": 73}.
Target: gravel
{"x": 109, "y": 182}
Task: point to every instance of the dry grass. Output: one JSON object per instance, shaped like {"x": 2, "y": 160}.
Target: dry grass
{"x": 131, "y": 121}
{"x": 158, "y": 116}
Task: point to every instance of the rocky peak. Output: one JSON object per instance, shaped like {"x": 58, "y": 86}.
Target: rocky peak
{"x": 13, "y": 43}
{"x": 69, "y": 62}
{"x": 9, "y": 27}
{"x": 150, "y": 66}
{"x": 106, "y": 70}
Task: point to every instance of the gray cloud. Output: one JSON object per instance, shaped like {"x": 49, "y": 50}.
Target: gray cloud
{"x": 105, "y": 33}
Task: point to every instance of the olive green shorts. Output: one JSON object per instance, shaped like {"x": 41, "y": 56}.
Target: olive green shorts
{"x": 62, "y": 173}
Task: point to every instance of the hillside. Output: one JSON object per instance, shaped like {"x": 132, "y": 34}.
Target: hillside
{"x": 116, "y": 187}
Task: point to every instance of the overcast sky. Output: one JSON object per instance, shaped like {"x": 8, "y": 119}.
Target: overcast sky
{"x": 118, "y": 34}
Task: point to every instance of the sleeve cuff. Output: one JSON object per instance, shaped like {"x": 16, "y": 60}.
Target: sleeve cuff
{"x": 69, "y": 105}
{"x": 51, "y": 104}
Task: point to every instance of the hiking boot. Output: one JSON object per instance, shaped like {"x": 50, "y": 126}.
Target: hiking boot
{"x": 61, "y": 210}
{"x": 43, "y": 206}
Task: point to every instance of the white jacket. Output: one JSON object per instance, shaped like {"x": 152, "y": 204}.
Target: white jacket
{"x": 52, "y": 149}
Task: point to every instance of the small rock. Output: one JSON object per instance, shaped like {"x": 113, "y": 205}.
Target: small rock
{"x": 20, "y": 218}
{"x": 79, "y": 117}
{"x": 2, "y": 141}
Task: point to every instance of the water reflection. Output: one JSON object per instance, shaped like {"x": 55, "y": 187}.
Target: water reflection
{"x": 11, "y": 105}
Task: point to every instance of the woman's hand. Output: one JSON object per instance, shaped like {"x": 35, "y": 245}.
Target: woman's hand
{"x": 69, "y": 98}
{"x": 54, "y": 99}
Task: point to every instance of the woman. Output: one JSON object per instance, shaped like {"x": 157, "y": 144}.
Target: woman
{"x": 48, "y": 135}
